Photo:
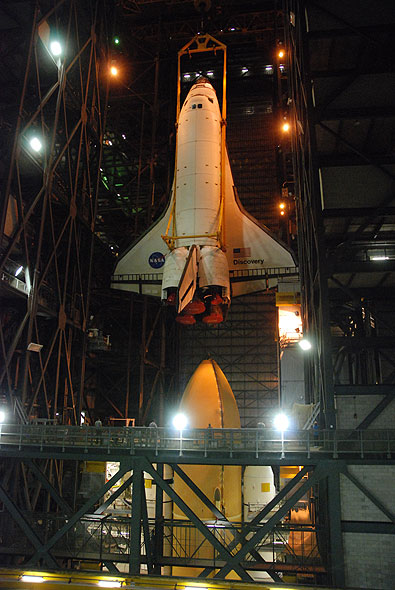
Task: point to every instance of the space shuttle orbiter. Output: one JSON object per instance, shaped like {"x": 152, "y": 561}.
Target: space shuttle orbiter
{"x": 205, "y": 248}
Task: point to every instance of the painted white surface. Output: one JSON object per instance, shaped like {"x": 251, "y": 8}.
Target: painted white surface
{"x": 197, "y": 189}
{"x": 254, "y": 499}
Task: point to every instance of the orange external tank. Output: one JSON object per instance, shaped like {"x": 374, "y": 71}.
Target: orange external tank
{"x": 207, "y": 400}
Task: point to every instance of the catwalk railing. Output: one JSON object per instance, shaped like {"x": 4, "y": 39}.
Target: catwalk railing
{"x": 242, "y": 274}
{"x": 199, "y": 442}
{"x": 106, "y": 537}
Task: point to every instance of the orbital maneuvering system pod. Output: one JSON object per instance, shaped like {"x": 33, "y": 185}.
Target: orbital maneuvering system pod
{"x": 205, "y": 248}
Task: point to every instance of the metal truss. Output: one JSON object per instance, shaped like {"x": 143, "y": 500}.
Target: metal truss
{"x": 94, "y": 531}
{"x": 346, "y": 306}
{"x": 310, "y": 229}
{"x": 49, "y": 213}
{"x": 48, "y": 231}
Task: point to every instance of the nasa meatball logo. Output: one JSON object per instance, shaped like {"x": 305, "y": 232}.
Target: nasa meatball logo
{"x": 156, "y": 260}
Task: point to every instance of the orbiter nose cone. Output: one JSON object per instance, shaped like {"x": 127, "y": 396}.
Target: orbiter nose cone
{"x": 208, "y": 399}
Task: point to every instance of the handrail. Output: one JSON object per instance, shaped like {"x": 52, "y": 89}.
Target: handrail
{"x": 204, "y": 442}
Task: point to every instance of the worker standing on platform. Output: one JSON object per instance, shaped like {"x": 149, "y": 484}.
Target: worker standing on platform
{"x": 98, "y": 426}
{"x": 153, "y": 433}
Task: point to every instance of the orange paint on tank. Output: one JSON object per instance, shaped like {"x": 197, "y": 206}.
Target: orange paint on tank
{"x": 208, "y": 400}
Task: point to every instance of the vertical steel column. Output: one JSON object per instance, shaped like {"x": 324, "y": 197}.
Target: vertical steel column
{"x": 155, "y": 111}
{"x": 142, "y": 360}
{"x": 129, "y": 359}
{"x": 159, "y": 521}
{"x": 336, "y": 554}
{"x": 135, "y": 521}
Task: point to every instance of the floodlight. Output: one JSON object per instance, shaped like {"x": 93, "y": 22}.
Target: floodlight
{"x": 109, "y": 584}
{"x": 304, "y": 344}
{"x": 35, "y": 144}
{"x": 281, "y": 422}
{"x": 56, "y": 48}
{"x": 32, "y": 579}
{"x": 180, "y": 421}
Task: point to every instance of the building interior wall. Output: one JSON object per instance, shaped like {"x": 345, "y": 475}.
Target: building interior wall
{"x": 68, "y": 214}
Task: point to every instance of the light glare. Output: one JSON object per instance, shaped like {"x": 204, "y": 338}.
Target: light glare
{"x": 114, "y": 71}
{"x": 56, "y": 48}
{"x": 180, "y": 421}
{"x": 304, "y": 344}
{"x": 281, "y": 422}
{"x": 286, "y": 127}
{"x": 18, "y": 271}
{"x": 35, "y": 144}
{"x": 32, "y": 579}
{"x": 109, "y": 584}
{"x": 2, "y": 416}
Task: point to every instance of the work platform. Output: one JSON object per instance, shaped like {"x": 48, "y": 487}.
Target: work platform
{"x": 93, "y": 532}
{"x": 247, "y": 446}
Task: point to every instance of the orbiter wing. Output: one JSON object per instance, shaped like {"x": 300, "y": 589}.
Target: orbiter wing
{"x": 250, "y": 246}
{"x": 250, "y": 249}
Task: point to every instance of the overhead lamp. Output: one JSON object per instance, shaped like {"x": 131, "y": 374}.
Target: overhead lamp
{"x": 18, "y": 270}
{"x": 304, "y": 344}
{"x": 114, "y": 71}
{"x": 244, "y": 70}
{"x": 282, "y": 205}
{"x": 56, "y": 48}
{"x": 281, "y": 53}
{"x": 285, "y": 127}
{"x": 109, "y": 584}
{"x": 210, "y": 74}
{"x": 116, "y": 41}
{"x": 35, "y": 144}
{"x": 180, "y": 421}
{"x": 281, "y": 422}
{"x": 32, "y": 579}
{"x": 187, "y": 76}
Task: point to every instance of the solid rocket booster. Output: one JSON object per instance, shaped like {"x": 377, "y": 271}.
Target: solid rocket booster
{"x": 208, "y": 399}
{"x": 192, "y": 256}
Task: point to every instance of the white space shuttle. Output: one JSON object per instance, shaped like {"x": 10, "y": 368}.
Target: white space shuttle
{"x": 205, "y": 248}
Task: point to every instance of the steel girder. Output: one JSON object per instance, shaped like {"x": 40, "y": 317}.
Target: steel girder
{"x": 49, "y": 212}
{"x": 238, "y": 552}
